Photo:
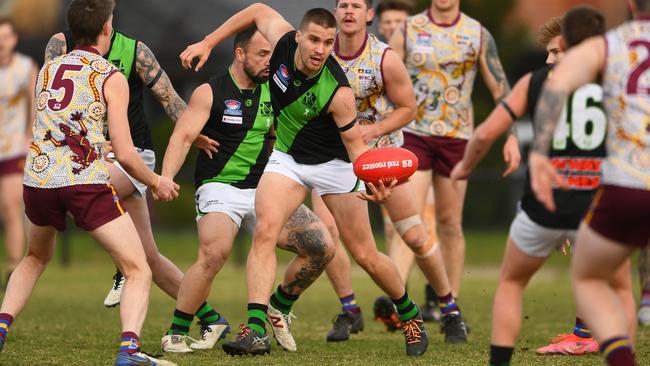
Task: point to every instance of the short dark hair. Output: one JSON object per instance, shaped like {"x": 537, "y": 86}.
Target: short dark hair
{"x": 318, "y": 16}
{"x": 368, "y": 3}
{"x": 549, "y": 30}
{"x": 243, "y": 38}
{"x": 399, "y": 5}
{"x": 642, "y": 5}
{"x": 9, "y": 21}
{"x": 86, "y": 19}
{"x": 581, "y": 23}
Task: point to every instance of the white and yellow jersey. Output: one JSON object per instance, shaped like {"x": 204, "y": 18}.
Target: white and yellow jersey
{"x": 14, "y": 80}
{"x": 365, "y": 74}
{"x": 70, "y": 122}
{"x": 626, "y": 82}
{"x": 442, "y": 61}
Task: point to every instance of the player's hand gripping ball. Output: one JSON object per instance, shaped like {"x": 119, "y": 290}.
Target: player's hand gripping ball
{"x": 385, "y": 164}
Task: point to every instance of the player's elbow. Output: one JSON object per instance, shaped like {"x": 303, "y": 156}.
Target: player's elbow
{"x": 483, "y": 136}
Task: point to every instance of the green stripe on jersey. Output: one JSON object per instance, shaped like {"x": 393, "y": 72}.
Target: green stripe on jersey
{"x": 245, "y": 157}
{"x": 295, "y": 116}
{"x": 122, "y": 53}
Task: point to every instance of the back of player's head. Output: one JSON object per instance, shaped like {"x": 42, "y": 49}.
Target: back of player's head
{"x": 549, "y": 30}
{"x": 398, "y": 5}
{"x": 318, "y": 16}
{"x": 86, "y": 18}
{"x": 9, "y": 22}
{"x": 243, "y": 38}
{"x": 581, "y": 23}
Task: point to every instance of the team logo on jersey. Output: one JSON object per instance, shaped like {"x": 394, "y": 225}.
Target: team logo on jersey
{"x": 309, "y": 99}
{"x": 281, "y": 78}
{"x": 233, "y": 108}
{"x": 265, "y": 109}
{"x": 364, "y": 74}
{"x": 248, "y": 102}
{"x": 423, "y": 39}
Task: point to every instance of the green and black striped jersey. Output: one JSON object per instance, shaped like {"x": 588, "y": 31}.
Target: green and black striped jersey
{"x": 304, "y": 128}
{"x": 240, "y": 121}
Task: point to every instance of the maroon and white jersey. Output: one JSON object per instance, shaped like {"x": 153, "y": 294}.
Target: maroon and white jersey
{"x": 365, "y": 74}
{"x": 70, "y": 122}
{"x": 14, "y": 80}
{"x": 626, "y": 85}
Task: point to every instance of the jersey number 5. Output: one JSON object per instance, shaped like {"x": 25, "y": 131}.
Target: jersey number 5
{"x": 583, "y": 120}
{"x": 60, "y": 82}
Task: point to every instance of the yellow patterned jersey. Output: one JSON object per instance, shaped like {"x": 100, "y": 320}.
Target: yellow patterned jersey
{"x": 442, "y": 61}
{"x": 14, "y": 80}
{"x": 626, "y": 83}
{"x": 366, "y": 77}
{"x": 70, "y": 122}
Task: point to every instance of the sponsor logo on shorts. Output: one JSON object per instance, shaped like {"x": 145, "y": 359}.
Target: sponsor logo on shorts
{"x": 233, "y": 108}
{"x": 232, "y": 120}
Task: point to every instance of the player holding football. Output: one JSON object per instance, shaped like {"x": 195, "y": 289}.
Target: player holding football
{"x": 317, "y": 139}
{"x": 65, "y": 172}
{"x": 617, "y": 222}
{"x": 385, "y": 102}
{"x": 443, "y": 49}
{"x": 535, "y": 231}
{"x": 17, "y": 77}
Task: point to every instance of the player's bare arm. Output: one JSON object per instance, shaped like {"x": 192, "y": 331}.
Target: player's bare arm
{"x": 582, "y": 64}
{"x": 497, "y": 123}
{"x": 116, "y": 90}
{"x": 31, "y": 98}
{"x": 187, "y": 128}
{"x": 154, "y": 77}
{"x": 269, "y": 22}
{"x": 400, "y": 91}
{"x": 491, "y": 68}
{"x": 56, "y": 47}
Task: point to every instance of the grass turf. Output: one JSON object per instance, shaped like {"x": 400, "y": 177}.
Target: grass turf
{"x": 65, "y": 322}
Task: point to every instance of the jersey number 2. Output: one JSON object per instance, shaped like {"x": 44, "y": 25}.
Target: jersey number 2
{"x": 60, "y": 82}
{"x": 639, "y": 70}
{"x": 583, "y": 120}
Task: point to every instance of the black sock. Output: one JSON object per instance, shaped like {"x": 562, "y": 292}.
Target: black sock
{"x": 500, "y": 356}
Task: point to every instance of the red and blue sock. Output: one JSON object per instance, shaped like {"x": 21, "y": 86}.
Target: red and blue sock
{"x": 5, "y": 323}
{"x": 130, "y": 343}
{"x": 581, "y": 330}
{"x": 349, "y": 303}
{"x": 448, "y": 305}
{"x": 618, "y": 351}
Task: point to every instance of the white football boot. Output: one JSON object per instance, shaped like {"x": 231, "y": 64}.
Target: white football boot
{"x": 281, "y": 324}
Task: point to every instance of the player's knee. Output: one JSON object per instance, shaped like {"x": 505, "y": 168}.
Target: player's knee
{"x": 211, "y": 260}
{"x": 450, "y": 226}
{"x": 39, "y": 259}
{"x": 313, "y": 242}
{"x": 366, "y": 259}
{"x": 136, "y": 269}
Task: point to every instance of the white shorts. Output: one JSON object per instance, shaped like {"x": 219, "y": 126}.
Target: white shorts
{"x": 334, "y": 177}
{"x": 149, "y": 158}
{"x": 238, "y": 204}
{"x": 535, "y": 239}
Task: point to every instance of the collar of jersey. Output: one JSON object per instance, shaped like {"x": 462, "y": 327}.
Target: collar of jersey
{"x": 235, "y": 82}
{"x": 88, "y": 49}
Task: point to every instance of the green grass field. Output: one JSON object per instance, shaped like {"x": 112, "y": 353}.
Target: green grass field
{"x": 65, "y": 322}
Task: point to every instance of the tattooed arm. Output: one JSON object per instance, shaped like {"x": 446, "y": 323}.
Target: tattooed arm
{"x": 580, "y": 65}
{"x": 55, "y": 47}
{"x": 491, "y": 68}
{"x": 154, "y": 77}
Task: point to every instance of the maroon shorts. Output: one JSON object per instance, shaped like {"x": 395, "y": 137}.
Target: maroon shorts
{"x": 621, "y": 214}
{"x": 91, "y": 205}
{"x": 436, "y": 153}
{"x": 12, "y": 166}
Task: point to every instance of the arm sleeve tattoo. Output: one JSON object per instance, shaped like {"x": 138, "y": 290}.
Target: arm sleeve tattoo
{"x": 547, "y": 115}
{"x": 157, "y": 80}
{"x": 55, "y": 48}
{"x": 495, "y": 69}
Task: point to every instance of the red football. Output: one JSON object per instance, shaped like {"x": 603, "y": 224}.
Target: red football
{"x": 385, "y": 164}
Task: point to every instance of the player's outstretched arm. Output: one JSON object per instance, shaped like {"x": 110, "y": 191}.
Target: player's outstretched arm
{"x": 580, "y": 65}
{"x": 187, "y": 128}
{"x": 269, "y": 22}
{"x": 497, "y": 123}
{"x": 56, "y": 47}
{"x": 116, "y": 91}
{"x": 400, "y": 91}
